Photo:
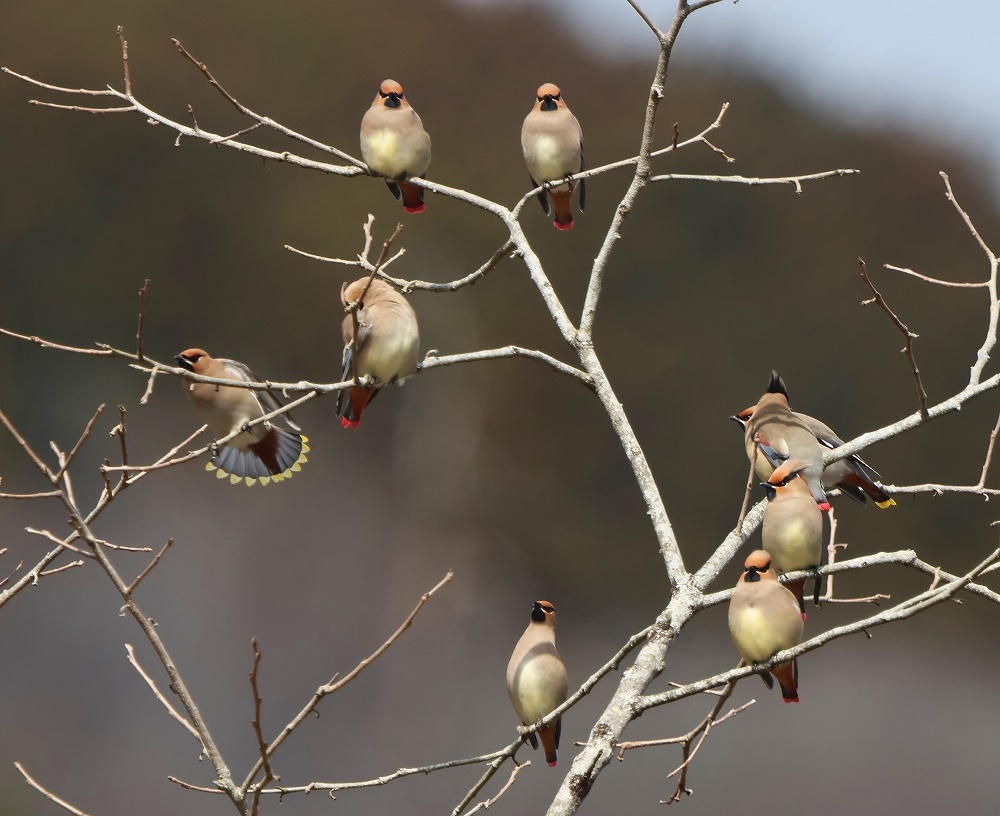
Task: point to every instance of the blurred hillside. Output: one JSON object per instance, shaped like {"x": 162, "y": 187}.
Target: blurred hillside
{"x": 504, "y": 471}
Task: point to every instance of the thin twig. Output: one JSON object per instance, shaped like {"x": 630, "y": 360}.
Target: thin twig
{"x": 507, "y": 351}
{"x": 927, "y": 279}
{"x": 828, "y": 596}
{"x": 701, "y": 733}
{"x": 907, "y": 334}
{"x": 63, "y": 568}
{"x": 23, "y": 443}
{"x": 485, "y": 805}
{"x": 334, "y": 685}
{"x": 47, "y": 793}
{"x": 159, "y": 696}
{"x": 142, "y": 318}
{"x": 189, "y": 786}
{"x": 237, "y": 134}
{"x": 263, "y": 120}
{"x": 20, "y": 564}
{"x": 480, "y": 784}
{"x": 79, "y": 444}
{"x": 144, "y": 399}
{"x": 59, "y": 88}
{"x": 121, "y": 39}
{"x": 752, "y": 181}
{"x": 261, "y": 744}
{"x": 45, "y": 494}
{"x": 120, "y": 431}
{"x": 149, "y": 568}
{"x": 989, "y": 454}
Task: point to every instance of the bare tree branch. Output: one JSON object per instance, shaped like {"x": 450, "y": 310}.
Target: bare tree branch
{"x": 47, "y": 793}
{"x": 131, "y": 587}
{"x": 159, "y": 696}
{"x": 335, "y": 685}
{"x": 795, "y": 181}
{"x": 907, "y": 335}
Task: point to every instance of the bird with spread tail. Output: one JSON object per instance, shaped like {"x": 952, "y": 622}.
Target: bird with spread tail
{"x": 792, "y": 530}
{"x": 764, "y": 619}
{"x": 395, "y": 145}
{"x": 536, "y": 678}
{"x": 385, "y": 349}
{"x": 552, "y": 142}
{"x": 265, "y": 452}
{"x": 778, "y": 433}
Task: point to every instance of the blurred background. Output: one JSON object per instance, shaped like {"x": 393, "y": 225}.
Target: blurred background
{"x": 506, "y": 471}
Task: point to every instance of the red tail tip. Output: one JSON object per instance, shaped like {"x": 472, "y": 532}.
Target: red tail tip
{"x": 348, "y": 423}
{"x": 824, "y": 506}
{"x": 414, "y": 209}
{"x": 552, "y": 764}
{"x": 563, "y": 227}
{"x": 790, "y": 699}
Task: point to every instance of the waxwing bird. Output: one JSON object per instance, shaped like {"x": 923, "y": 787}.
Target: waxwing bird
{"x": 385, "y": 349}
{"x": 852, "y": 474}
{"x": 395, "y": 145}
{"x": 552, "y": 142}
{"x": 265, "y": 452}
{"x": 764, "y": 619}
{"x": 792, "y": 531}
{"x": 536, "y": 678}
{"x": 774, "y": 434}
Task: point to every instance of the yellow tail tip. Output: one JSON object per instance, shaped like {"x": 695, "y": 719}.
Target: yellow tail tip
{"x": 886, "y": 503}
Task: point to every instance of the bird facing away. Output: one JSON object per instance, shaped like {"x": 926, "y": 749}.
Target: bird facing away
{"x": 852, "y": 475}
{"x": 764, "y": 619}
{"x": 385, "y": 349}
{"x": 552, "y": 142}
{"x": 395, "y": 145}
{"x": 792, "y": 531}
{"x": 536, "y": 678}
{"x": 264, "y": 452}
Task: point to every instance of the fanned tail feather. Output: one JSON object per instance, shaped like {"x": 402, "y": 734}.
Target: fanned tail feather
{"x": 276, "y": 457}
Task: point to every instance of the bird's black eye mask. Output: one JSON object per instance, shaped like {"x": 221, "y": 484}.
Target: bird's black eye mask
{"x": 549, "y": 102}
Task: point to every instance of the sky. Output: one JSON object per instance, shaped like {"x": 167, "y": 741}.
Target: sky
{"x": 928, "y": 65}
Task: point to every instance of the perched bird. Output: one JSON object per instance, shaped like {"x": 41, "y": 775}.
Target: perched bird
{"x": 385, "y": 349}
{"x": 264, "y": 452}
{"x": 852, "y": 475}
{"x": 552, "y": 142}
{"x": 395, "y": 145}
{"x": 536, "y": 677}
{"x": 774, "y": 434}
{"x": 792, "y": 531}
{"x": 764, "y": 619}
